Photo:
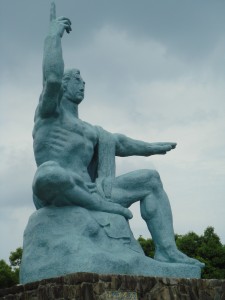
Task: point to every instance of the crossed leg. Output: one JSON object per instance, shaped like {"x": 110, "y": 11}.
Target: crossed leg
{"x": 54, "y": 185}
{"x": 145, "y": 186}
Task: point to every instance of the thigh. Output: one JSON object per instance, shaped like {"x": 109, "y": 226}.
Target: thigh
{"x": 131, "y": 187}
{"x": 50, "y": 178}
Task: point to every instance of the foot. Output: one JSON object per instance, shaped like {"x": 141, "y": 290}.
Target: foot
{"x": 173, "y": 255}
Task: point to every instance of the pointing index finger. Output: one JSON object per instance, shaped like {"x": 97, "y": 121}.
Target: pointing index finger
{"x": 52, "y": 11}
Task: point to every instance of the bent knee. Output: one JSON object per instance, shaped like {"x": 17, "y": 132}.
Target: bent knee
{"x": 49, "y": 179}
{"x": 150, "y": 174}
{"x": 152, "y": 178}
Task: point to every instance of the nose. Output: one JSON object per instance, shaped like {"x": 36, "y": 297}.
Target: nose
{"x": 82, "y": 87}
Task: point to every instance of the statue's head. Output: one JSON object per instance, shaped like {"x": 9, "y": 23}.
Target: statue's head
{"x": 73, "y": 85}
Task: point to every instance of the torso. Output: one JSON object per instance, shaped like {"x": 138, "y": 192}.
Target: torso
{"x": 65, "y": 139}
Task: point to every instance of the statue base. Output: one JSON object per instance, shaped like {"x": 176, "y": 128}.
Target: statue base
{"x": 89, "y": 286}
{"x": 64, "y": 240}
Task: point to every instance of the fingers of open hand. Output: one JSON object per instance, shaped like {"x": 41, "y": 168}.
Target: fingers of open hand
{"x": 167, "y": 148}
{"x": 163, "y": 149}
{"x": 173, "y": 145}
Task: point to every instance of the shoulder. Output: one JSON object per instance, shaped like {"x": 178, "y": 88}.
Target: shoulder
{"x": 90, "y": 131}
{"x": 105, "y": 137}
{"x": 47, "y": 106}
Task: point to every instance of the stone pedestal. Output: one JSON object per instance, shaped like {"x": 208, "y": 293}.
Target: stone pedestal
{"x": 60, "y": 241}
{"x": 90, "y": 286}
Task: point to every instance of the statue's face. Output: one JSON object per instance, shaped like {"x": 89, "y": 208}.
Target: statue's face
{"x": 75, "y": 88}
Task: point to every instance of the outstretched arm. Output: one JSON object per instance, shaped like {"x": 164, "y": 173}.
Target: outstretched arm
{"x": 126, "y": 146}
{"x": 53, "y": 65}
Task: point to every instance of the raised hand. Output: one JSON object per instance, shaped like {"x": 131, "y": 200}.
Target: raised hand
{"x": 60, "y": 24}
{"x": 52, "y": 11}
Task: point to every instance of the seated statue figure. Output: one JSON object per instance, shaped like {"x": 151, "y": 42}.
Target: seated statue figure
{"x": 76, "y": 161}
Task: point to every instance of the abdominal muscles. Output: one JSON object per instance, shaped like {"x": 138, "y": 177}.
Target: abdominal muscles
{"x": 69, "y": 148}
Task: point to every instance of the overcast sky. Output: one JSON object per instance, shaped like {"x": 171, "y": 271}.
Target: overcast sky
{"x": 154, "y": 70}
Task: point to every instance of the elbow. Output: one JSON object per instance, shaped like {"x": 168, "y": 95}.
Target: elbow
{"x": 53, "y": 82}
{"x": 121, "y": 145}
{"x": 53, "y": 74}
{"x": 54, "y": 79}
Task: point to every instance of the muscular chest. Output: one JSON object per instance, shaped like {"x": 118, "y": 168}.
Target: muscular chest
{"x": 66, "y": 134}
{"x": 78, "y": 132}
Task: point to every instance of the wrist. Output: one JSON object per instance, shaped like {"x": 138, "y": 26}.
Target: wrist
{"x": 53, "y": 34}
{"x": 54, "y": 30}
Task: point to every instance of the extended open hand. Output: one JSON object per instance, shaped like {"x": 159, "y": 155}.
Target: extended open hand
{"x": 160, "y": 148}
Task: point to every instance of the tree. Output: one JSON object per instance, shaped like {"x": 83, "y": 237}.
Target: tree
{"x": 9, "y": 274}
{"x": 207, "y": 248}
{"x": 15, "y": 261}
{"x": 16, "y": 257}
{"x": 213, "y": 252}
{"x": 147, "y": 246}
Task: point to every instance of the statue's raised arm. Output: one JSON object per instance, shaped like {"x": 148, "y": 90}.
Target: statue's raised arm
{"x": 53, "y": 65}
